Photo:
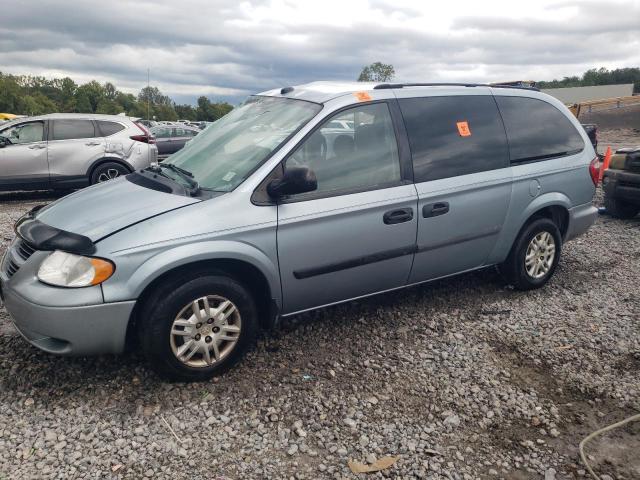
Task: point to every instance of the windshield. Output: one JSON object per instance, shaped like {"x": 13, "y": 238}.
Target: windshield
{"x": 228, "y": 151}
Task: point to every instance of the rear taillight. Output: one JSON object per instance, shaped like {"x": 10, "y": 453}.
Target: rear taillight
{"x": 146, "y": 136}
{"x": 594, "y": 170}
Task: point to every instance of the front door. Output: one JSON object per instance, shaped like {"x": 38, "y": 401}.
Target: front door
{"x": 356, "y": 234}
{"x": 23, "y": 157}
{"x": 463, "y": 179}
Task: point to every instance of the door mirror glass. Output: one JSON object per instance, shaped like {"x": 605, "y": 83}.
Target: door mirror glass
{"x": 294, "y": 181}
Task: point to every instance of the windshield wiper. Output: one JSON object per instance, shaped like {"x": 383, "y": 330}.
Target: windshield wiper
{"x": 186, "y": 175}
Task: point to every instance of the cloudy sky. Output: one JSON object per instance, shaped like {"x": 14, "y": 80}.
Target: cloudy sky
{"x": 228, "y": 49}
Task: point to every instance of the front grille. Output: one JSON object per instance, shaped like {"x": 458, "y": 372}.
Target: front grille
{"x": 24, "y": 249}
{"x": 18, "y": 253}
{"x": 12, "y": 268}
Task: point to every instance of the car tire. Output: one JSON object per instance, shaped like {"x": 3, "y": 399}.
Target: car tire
{"x": 168, "y": 321}
{"x": 528, "y": 267}
{"x": 108, "y": 171}
{"x": 620, "y": 209}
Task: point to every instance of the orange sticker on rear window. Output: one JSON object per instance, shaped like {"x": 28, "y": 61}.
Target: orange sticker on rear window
{"x": 362, "y": 96}
{"x": 463, "y": 129}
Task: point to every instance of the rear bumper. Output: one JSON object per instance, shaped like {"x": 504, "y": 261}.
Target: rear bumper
{"x": 80, "y": 330}
{"x": 622, "y": 185}
{"x": 580, "y": 219}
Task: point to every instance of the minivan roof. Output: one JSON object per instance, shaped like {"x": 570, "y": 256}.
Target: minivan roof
{"x": 321, "y": 92}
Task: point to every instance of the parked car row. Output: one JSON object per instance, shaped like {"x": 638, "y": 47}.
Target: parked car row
{"x": 60, "y": 151}
{"x": 171, "y": 138}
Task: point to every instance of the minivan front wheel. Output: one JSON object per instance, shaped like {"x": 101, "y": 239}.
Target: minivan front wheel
{"x": 192, "y": 330}
{"x": 534, "y": 255}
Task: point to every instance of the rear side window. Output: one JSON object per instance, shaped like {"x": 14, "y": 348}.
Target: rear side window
{"x": 70, "y": 129}
{"x": 451, "y": 136}
{"x": 537, "y": 130}
{"x": 109, "y": 128}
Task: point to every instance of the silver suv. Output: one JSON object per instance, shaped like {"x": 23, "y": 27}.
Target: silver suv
{"x": 71, "y": 150}
{"x": 300, "y": 198}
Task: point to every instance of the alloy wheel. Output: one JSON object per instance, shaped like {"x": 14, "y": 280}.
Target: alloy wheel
{"x": 540, "y": 255}
{"x": 109, "y": 174}
{"x": 205, "y": 331}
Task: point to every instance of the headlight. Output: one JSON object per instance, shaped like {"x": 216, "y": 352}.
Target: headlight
{"x": 68, "y": 270}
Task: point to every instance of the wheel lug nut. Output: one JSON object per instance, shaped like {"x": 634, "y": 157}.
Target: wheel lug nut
{"x": 216, "y": 329}
{"x": 198, "y": 336}
{"x": 207, "y": 339}
{"x": 210, "y": 321}
{"x": 198, "y": 325}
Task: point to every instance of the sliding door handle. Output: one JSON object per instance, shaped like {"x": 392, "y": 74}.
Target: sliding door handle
{"x": 435, "y": 209}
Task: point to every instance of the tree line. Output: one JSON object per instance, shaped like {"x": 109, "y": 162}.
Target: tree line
{"x": 598, "y": 76}
{"x": 35, "y": 95}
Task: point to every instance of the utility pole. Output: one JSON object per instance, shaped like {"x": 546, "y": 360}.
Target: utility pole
{"x": 148, "y": 95}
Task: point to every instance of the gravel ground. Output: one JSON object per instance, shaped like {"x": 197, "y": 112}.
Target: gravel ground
{"x": 461, "y": 379}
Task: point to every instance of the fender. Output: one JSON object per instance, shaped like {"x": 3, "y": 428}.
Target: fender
{"x": 545, "y": 200}
{"x": 166, "y": 260}
{"x": 516, "y": 220}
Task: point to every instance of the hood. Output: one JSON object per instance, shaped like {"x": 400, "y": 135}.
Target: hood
{"x": 103, "y": 209}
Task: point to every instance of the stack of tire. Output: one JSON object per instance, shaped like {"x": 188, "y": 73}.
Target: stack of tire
{"x": 621, "y": 184}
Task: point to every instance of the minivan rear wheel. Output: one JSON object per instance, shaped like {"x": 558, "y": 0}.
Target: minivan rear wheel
{"x": 108, "y": 171}
{"x": 534, "y": 256}
{"x": 192, "y": 329}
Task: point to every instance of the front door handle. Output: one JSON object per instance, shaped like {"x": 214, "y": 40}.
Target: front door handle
{"x": 37, "y": 146}
{"x": 92, "y": 144}
{"x": 398, "y": 216}
{"x": 435, "y": 209}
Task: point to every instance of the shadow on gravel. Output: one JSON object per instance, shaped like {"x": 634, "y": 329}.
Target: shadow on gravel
{"x": 33, "y": 196}
{"x": 581, "y": 412}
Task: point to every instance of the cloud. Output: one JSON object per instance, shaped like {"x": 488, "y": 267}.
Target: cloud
{"x": 227, "y": 50}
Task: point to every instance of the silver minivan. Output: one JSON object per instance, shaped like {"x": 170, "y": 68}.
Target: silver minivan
{"x": 71, "y": 150}
{"x": 301, "y": 197}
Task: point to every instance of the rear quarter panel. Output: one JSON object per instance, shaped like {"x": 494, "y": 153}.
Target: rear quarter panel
{"x": 563, "y": 181}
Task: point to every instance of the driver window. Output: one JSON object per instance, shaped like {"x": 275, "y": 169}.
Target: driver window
{"x": 352, "y": 150}
{"x": 24, "y": 133}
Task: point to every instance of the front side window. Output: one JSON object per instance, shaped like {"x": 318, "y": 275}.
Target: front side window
{"x": 451, "y": 136}
{"x": 537, "y": 130}
{"x": 230, "y": 149}
{"x": 352, "y": 150}
{"x": 24, "y": 133}
{"x": 72, "y": 129}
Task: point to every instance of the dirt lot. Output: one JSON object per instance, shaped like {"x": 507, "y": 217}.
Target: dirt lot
{"x": 462, "y": 378}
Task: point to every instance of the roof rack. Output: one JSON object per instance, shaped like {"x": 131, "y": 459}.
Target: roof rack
{"x": 384, "y": 86}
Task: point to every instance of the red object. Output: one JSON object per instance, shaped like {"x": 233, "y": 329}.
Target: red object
{"x": 594, "y": 171}
{"x": 146, "y": 136}
{"x": 605, "y": 163}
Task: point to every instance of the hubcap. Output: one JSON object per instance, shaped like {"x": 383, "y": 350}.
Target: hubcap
{"x": 205, "y": 331}
{"x": 540, "y": 254}
{"x": 109, "y": 174}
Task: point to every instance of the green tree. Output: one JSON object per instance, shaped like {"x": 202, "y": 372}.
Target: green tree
{"x": 377, "y": 72}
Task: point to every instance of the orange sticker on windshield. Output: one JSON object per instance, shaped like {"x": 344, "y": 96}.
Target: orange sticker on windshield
{"x": 362, "y": 96}
{"x": 463, "y": 129}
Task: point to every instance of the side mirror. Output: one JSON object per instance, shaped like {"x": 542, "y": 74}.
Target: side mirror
{"x": 295, "y": 180}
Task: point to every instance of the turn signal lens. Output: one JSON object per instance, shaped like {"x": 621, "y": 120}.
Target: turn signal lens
{"x": 63, "y": 269}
